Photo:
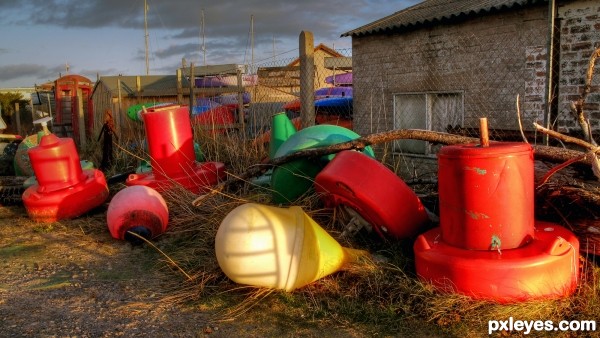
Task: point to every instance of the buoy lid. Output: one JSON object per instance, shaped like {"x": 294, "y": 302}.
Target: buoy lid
{"x": 495, "y": 149}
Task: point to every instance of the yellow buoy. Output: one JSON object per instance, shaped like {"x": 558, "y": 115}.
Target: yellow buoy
{"x": 280, "y": 248}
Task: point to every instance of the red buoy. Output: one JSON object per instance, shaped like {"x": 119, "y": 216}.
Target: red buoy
{"x": 364, "y": 184}
{"x": 488, "y": 245}
{"x": 63, "y": 190}
{"x": 137, "y": 209}
{"x": 545, "y": 268}
{"x": 486, "y": 195}
{"x": 172, "y": 157}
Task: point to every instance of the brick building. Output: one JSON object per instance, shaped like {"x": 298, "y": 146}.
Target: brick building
{"x": 441, "y": 65}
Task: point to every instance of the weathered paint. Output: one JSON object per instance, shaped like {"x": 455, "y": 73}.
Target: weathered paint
{"x": 479, "y": 171}
{"x": 476, "y": 215}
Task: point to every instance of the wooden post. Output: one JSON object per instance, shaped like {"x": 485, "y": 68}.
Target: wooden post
{"x": 138, "y": 88}
{"x": 117, "y": 118}
{"x": 80, "y": 119}
{"x": 484, "y": 137}
{"x": 240, "y": 95}
{"x": 307, "y": 79}
{"x": 50, "y": 109}
{"x": 179, "y": 87}
{"x": 18, "y": 117}
{"x": 192, "y": 86}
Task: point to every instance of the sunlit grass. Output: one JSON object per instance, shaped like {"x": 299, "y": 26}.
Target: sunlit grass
{"x": 381, "y": 296}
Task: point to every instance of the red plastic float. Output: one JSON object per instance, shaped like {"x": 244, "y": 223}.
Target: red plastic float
{"x": 486, "y": 195}
{"x": 172, "y": 156}
{"x": 138, "y": 209}
{"x": 546, "y": 267}
{"x": 488, "y": 245}
{"x": 63, "y": 190}
{"x": 364, "y": 184}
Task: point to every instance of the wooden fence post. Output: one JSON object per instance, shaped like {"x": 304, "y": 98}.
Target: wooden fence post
{"x": 117, "y": 119}
{"x": 240, "y": 97}
{"x": 80, "y": 119}
{"x": 18, "y": 117}
{"x": 192, "y": 86}
{"x": 179, "y": 87}
{"x": 307, "y": 79}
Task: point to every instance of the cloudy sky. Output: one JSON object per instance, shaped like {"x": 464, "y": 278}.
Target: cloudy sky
{"x": 40, "y": 38}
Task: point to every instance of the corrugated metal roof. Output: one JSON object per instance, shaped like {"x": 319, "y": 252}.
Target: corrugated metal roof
{"x": 150, "y": 85}
{"x": 431, "y": 11}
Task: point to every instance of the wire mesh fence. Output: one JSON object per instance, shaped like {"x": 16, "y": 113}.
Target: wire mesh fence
{"x": 443, "y": 78}
{"x": 280, "y": 82}
{"x": 446, "y": 85}
{"x": 442, "y": 81}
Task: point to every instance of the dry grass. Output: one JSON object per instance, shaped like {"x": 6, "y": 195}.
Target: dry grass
{"x": 381, "y": 296}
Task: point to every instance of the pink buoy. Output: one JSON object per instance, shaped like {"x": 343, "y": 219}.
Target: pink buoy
{"x": 138, "y": 209}
{"x": 367, "y": 186}
{"x": 172, "y": 157}
{"x": 63, "y": 190}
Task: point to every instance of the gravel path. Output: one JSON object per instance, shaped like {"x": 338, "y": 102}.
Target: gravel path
{"x": 56, "y": 281}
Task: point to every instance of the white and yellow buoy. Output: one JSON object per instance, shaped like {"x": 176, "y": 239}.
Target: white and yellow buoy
{"x": 279, "y": 248}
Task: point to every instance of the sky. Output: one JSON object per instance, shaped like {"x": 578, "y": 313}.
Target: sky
{"x": 44, "y": 39}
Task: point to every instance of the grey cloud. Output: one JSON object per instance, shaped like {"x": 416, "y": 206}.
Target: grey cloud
{"x": 10, "y": 72}
{"x": 178, "y": 24}
{"x": 222, "y": 18}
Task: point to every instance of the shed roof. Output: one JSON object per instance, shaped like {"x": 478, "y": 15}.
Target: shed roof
{"x": 435, "y": 11}
{"x": 150, "y": 85}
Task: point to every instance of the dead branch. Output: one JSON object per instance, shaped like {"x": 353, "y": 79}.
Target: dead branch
{"x": 519, "y": 119}
{"x": 564, "y": 137}
{"x": 551, "y": 154}
{"x": 589, "y": 156}
{"x": 577, "y": 106}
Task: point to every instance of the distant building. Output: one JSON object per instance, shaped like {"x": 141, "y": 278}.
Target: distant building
{"x": 24, "y": 91}
{"x": 74, "y": 108}
{"x": 282, "y": 84}
{"x": 117, "y": 93}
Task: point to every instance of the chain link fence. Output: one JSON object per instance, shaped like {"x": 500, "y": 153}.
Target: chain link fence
{"x": 444, "y": 81}
{"x": 445, "y": 86}
{"x": 444, "y": 78}
{"x": 279, "y": 89}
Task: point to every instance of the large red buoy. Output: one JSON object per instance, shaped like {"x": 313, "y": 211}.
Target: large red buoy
{"x": 488, "y": 245}
{"x": 63, "y": 190}
{"x": 137, "y": 209}
{"x": 364, "y": 184}
{"x": 172, "y": 157}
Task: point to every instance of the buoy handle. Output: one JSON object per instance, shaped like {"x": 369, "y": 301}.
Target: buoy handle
{"x": 484, "y": 137}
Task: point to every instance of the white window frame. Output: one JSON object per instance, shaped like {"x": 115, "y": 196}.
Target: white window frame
{"x": 428, "y": 116}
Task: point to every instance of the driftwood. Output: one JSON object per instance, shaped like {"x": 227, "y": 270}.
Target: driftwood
{"x": 589, "y": 156}
{"x": 551, "y": 154}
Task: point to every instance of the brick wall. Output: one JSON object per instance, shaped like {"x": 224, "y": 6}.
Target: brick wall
{"x": 491, "y": 59}
{"x": 579, "y": 37}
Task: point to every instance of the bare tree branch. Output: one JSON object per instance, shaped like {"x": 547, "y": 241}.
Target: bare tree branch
{"x": 551, "y": 154}
{"x": 577, "y": 106}
{"x": 564, "y": 137}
